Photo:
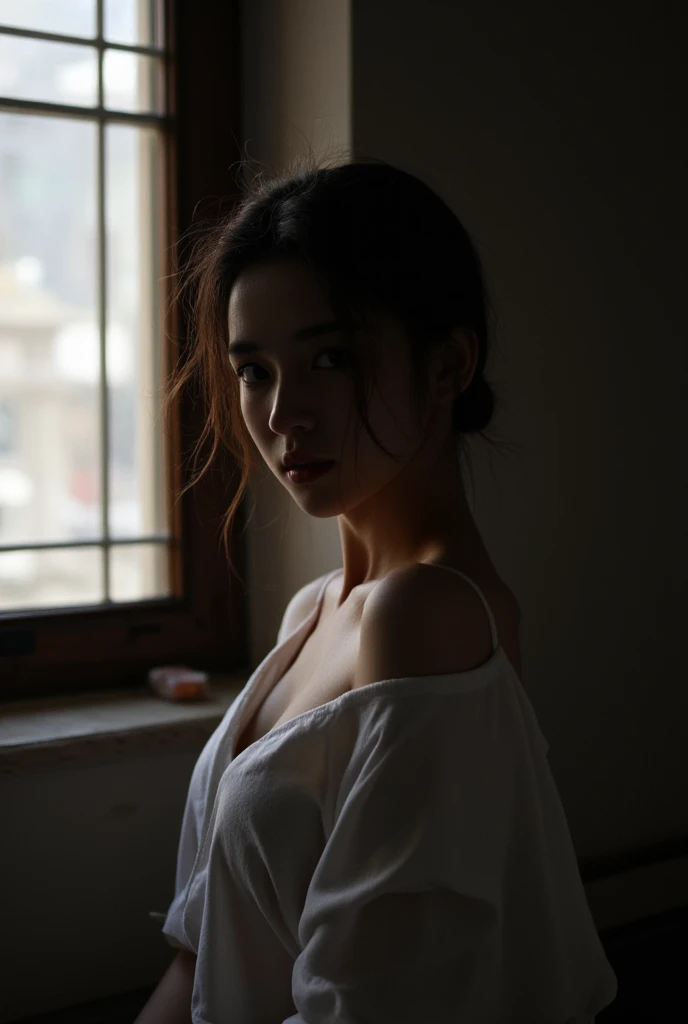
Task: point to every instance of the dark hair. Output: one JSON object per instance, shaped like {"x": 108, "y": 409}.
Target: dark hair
{"x": 378, "y": 239}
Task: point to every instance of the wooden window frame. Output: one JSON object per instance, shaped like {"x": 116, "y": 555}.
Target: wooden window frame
{"x": 203, "y": 623}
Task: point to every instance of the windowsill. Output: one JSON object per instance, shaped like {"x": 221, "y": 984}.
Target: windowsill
{"x": 38, "y": 732}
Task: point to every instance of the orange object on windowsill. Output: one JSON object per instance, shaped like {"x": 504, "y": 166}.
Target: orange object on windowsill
{"x": 179, "y": 682}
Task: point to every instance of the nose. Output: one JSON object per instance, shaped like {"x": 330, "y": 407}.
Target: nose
{"x": 292, "y": 407}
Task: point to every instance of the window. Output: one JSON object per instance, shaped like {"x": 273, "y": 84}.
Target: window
{"x": 116, "y": 118}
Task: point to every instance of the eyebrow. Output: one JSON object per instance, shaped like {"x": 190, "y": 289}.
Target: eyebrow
{"x": 304, "y": 334}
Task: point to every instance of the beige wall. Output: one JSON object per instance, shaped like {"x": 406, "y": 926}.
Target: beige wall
{"x": 557, "y": 138}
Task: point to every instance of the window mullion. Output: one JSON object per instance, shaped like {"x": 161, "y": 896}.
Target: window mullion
{"x": 102, "y": 323}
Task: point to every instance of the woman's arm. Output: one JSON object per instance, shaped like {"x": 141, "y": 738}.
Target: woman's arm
{"x": 170, "y": 1003}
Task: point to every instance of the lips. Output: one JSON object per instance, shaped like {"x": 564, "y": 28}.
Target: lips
{"x": 304, "y": 474}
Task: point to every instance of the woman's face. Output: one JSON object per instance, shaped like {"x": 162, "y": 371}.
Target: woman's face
{"x": 298, "y": 393}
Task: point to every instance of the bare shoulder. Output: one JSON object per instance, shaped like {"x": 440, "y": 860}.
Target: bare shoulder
{"x": 421, "y": 621}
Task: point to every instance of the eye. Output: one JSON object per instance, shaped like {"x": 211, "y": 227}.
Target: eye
{"x": 340, "y": 353}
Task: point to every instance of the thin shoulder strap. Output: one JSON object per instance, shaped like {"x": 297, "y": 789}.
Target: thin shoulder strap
{"x": 493, "y": 625}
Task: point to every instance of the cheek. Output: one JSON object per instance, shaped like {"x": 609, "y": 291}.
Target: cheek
{"x": 253, "y": 422}
{"x": 391, "y": 416}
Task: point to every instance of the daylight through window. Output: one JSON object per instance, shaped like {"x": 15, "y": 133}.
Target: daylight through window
{"x": 83, "y": 496}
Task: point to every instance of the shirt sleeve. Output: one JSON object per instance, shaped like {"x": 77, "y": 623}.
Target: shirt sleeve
{"x": 195, "y": 811}
{"x": 401, "y": 920}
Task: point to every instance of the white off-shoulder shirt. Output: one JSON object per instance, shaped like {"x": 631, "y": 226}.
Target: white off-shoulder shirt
{"x": 399, "y": 855}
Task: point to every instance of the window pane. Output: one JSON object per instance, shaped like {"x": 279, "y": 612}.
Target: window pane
{"x": 133, "y": 22}
{"x": 50, "y": 579}
{"x": 66, "y": 17}
{"x": 133, "y": 173}
{"x": 132, "y": 82}
{"x": 49, "y": 354}
{"x": 139, "y": 572}
{"x": 34, "y": 69}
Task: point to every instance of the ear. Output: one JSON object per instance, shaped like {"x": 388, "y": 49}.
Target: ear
{"x": 453, "y": 365}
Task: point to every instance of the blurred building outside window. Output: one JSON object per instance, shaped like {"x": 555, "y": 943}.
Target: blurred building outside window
{"x": 81, "y": 256}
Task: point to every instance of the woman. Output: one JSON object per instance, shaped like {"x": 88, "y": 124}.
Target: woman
{"x": 372, "y": 833}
